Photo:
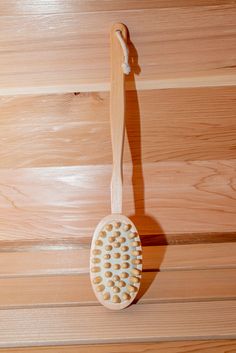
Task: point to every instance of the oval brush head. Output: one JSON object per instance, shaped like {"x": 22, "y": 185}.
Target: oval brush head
{"x": 116, "y": 262}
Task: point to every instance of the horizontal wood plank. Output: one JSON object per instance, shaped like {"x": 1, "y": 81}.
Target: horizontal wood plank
{"x": 211, "y": 346}
{"x": 172, "y": 199}
{"x": 197, "y": 41}
{"x": 147, "y": 322}
{"x": 155, "y": 258}
{"x": 62, "y": 130}
{"x": 155, "y": 287}
{"x": 55, "y": 173}
{"x": 33, "y": 7}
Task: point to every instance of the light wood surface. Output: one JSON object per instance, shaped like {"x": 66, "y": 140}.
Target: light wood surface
{"x": 34, "y": 7}
{"x": 63, "y": 130}
{"x": 171, "y": 286}
{"x": 211, "y": 346}
{"x": 194, "y": 46}
{"x": 147, "y": 322}
{"x": 55, "y": 167}
{"x": 155, "y": 258}
{"x": 175, "y": 199}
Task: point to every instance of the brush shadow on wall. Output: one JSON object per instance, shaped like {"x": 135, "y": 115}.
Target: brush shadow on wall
{"x": 140, "y": 218}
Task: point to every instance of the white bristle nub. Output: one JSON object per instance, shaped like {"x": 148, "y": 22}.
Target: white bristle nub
{"x": 110, "y": 283}
{"x": 96, "y": 269}
{"x": 135, "y": 243}
{"x": 121, "y": 284}
{"x": 97, "y": 280}
{"x": 125, "y": 296}
{"x": 125, "y": 257}
{"x": 106, "y": 296}
{"x": 121, "y": 240}
{"x": 135, "y": 252}
{"x": 135, "y": 271}
{"x": 100, "y": 288}
{"x": 109, "y": 227}
{"x": 125, "y": 265}
{"x": 131, "y": 235}
{"x": 98, "y": 242}
{"x": 116, "y": 244}
{"x": 116, "y": 289}
{"x": 102, "y": 234}
{"x": 134, "y": 279}
{"x": 96, "y": 251}
{"x": 108, "y": 274}
{"x": 131, "y": 289}
{"x": 116, "y": 266}
{"x": 126, "y": 227}
{"x": 124, "y": 275}
{"x": 136, "y": 261}
{"x": 107, "y": 265}
{"x": 116, "y": 299}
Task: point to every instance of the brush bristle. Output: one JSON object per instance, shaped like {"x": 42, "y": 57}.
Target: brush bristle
{"x": 117, "y": 262}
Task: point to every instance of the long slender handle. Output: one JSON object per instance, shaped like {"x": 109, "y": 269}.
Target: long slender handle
{"x": 117, "y": 116}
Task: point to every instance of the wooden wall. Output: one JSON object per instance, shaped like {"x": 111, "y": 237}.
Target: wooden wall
{"x": 179, "y": 173}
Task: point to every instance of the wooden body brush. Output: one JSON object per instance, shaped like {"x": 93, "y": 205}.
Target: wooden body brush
{"x": 116, "y": 252}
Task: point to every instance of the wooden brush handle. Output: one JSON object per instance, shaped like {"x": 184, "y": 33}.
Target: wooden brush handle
{"x": 117, "y": 116}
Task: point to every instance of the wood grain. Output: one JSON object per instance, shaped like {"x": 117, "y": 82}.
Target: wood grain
{"x": 66, "y": 130}
{"x": 147, "y": 322}
{"x": 55, "y": 168}
{"x": 155, "y": 258}
{"x": 174, "y": 199}
{"x": 35, "y": 7}
{"x": 174, "y": 47}
{"x": 173, "y": 286}
{"x": 211, "y": 346}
